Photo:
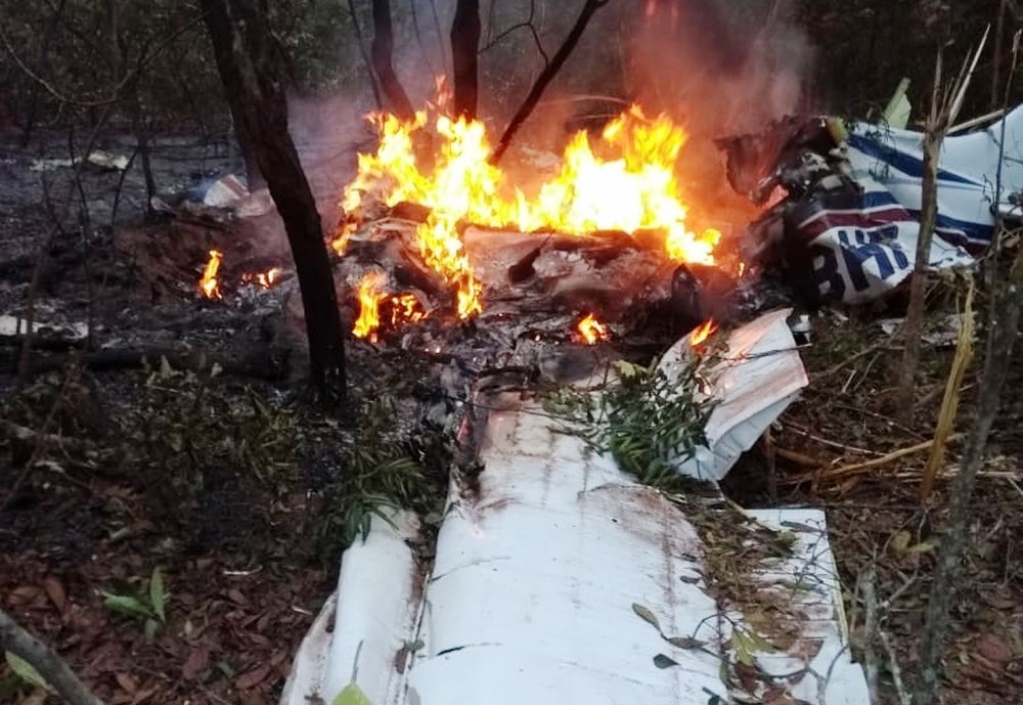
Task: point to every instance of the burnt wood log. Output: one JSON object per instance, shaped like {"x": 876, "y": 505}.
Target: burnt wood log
{"x": 249, "y": 65}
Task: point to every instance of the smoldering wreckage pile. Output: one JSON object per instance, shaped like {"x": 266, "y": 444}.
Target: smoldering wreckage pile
{"x": 557, "y": 575}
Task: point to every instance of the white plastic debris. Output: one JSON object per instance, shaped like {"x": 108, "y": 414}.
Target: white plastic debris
{"x": 759, "y": 376}
{"x": 98, "y": 158}
{"x": 225, "y": 192}
{"x": 15, "y": 326}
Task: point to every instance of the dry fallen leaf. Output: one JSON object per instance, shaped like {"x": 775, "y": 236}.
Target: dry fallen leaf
{"x": 55, "y": 591}
{"x": 126, "y": 682}
{"x": 994, "y": 649}
{"x": 250, "y": 679}
{"x": 197, "y": 662}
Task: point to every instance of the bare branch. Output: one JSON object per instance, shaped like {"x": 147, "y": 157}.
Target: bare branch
{"x": 528, "y": 23}
{"x": 546, "y": 76}
{"x": 122, "y": 87}
{"x": 365, "y": 55}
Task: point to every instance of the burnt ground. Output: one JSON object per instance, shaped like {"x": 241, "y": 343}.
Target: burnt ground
{"x": 111, "y": 470}
{"x": 227, "y": 483}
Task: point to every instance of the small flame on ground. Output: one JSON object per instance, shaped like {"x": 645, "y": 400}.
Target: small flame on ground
{"x": 702, "y": 332}
{"x": 344, "y": 233}
{"x": 208, "y": 284}
{"x": 592, "y": 330}
{"x": 368, "y": 322}
{"x": 404, "y": 308}
{"x": 265, "y": 279}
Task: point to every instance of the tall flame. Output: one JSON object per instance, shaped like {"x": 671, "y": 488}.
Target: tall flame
{"x": 368, "y": 322}
{"x": 208, "y": 284}
{"x": 634, "y": 189}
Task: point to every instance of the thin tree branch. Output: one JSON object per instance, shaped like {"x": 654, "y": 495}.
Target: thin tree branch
{"x": 527, "y": 24}
{"x": 48, "y": 664}
{"x": 546, "y": 76}
{"x": 119, "y": 90}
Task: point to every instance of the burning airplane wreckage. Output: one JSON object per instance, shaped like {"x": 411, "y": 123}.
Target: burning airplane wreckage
{"x": 563, "y": 571}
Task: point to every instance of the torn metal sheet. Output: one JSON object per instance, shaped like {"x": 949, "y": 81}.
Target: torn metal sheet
{"x": 549, "y": 568}
{"x": 970, "y": 169}
{"x": 844, "y": 205}
{"x": 759, "y": 375}
{"x": 366, "y": 623}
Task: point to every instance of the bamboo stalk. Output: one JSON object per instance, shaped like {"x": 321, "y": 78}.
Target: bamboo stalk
{"x": 861, "y": 468}
{"x": 950, "y": 401}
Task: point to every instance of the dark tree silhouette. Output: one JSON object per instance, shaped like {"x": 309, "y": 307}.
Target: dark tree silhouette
{"x": 250, "y": 68}
{"x": 381, "y": 52}
{"x": 465, "y": 41}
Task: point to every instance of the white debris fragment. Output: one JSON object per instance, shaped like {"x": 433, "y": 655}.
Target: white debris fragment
{"x": 760, "y": 375}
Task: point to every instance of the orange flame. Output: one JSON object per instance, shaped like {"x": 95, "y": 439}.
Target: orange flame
{"x": 406, "y": 307}
{"x": 372, "y": 302}
{"x": 368, "y": 322}
{"x": 344, "y": 233}
{"x": 208, "y": 284}
{"x": 634, "y": 189}
{"x": 592, "y": 330}
{"x": 702, "y": 332}
{"x": 265, "y": 279}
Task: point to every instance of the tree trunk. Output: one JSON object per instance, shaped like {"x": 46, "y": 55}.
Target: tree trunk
{"x": 913, "y": 327}
{"x": 465, "y": 42}
{"x": 250, "y": 70}
{"x": 141, "y": 130}
{"x": 1002, "y": 330}
{"x": 546, "y": 76}
{"x": 381, "y": 51}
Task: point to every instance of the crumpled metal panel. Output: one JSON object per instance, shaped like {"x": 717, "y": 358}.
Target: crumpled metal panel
{"x": 758, "y": 377}
{"x": 534, "y": 581}
{"x": 539, "y": 562}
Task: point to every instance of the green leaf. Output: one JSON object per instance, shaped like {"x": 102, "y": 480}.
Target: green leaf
{"x": 646, "y": 615}
{"x": 157, "y": 596}
{"x": 25, "y": 671}
{"x": 126, "y": 604}
{"x": 152, "y": 626}
{"x": 742, "y": 648}
{"x": 351, "y": 695}
{"x": 686, "y": 642}
{"x": 662, "y": 661}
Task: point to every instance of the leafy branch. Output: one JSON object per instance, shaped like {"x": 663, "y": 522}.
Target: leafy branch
{"x": 648, "y": 420}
